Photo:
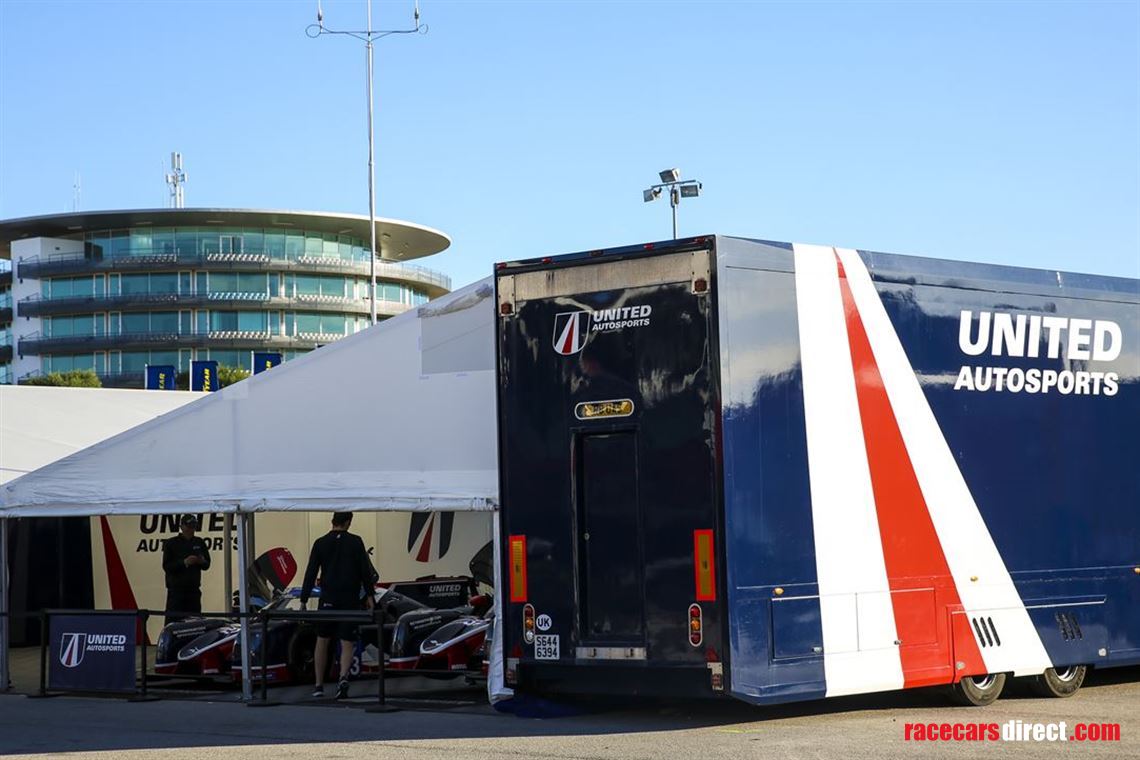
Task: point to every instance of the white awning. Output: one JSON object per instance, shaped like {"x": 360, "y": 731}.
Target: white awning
{"x": 399, "y": 417}
{"x": 41, "y": 424}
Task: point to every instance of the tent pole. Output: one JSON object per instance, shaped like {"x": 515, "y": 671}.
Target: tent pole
{"x": 228, "y": 559}
{"x": 243, "y": 604}
{"x": 496, "y": 682}
{"x": 5, "y": 675}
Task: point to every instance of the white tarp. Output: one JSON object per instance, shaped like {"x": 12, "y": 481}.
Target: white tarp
{"x": 39, "y": 425}
{"x": 398, "y": 417}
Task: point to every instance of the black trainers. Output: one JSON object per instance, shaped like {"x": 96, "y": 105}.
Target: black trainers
{"x": 342, "y": 690}
{"x": 318, "y": 692}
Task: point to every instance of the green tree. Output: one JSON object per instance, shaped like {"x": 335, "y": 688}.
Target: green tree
{"x": 226, "y": 376}
{"x": 77, "y": 378}
{"x": 231, "y": 375}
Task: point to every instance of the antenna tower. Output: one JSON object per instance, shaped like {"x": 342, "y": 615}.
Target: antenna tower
{"x": 176, "y": 178}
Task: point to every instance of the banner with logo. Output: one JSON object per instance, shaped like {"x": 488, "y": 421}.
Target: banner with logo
{"x": 160, "y": 377}
{"x": 263, "y": 360}
{"x": 92, "y": 652}
{"x": 204, "y": 376}
{"x": 126, "y": 551}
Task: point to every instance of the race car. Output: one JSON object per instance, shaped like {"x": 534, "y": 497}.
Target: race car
{"x": 211, "y": 646}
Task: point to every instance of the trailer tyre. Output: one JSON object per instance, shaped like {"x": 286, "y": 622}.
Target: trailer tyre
{"x": 1060, "y": 683}
{"x": 979, "y": 691}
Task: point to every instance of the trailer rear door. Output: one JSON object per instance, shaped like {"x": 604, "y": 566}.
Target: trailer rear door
{"x": 608, "y": 410}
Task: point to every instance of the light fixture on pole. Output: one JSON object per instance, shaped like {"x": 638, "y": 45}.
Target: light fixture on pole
{"x": 678, "y": 189}
{"x": 368, "y": 35}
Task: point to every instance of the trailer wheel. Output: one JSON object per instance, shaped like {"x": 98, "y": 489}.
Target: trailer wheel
{"x": 1060, "y": 683}
{"x": 979, "y": 691}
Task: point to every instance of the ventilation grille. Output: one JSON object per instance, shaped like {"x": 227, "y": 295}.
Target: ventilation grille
{"x": 1070, "y": 628}
{"x": 986, "y": 631}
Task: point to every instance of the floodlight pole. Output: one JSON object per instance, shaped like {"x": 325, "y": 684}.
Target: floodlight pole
{"x": 369, "y": 36}
{"x": 674, "y": 201}
{"x": 371, "y": 180}
{"x": 674, "y": 185}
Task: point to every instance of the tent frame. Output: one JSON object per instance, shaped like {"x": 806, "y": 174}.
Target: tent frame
{"x": 244, "y": 522}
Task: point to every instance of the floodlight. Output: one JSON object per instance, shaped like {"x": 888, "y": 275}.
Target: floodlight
{"x": 691, "y": 191}
{"x": 651, "y": 194}
{"x": 670, "y": 175}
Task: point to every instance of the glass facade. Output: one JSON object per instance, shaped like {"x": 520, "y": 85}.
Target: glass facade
{"x": 188, "y": 291}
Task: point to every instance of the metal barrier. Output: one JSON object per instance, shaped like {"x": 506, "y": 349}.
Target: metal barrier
{"x": 371, "y": 619}
{"x": 368, "y": 619}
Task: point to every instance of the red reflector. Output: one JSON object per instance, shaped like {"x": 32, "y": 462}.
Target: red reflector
{"x": 546, "y": 259}
{"x": 517, "y": 558}
{"x": 505, "y": 308}
{"x": 700, "y": 285}
{"x": 501, "y": 265}
{"x": 704, "y": 565}
{"x": 648, "y": 246}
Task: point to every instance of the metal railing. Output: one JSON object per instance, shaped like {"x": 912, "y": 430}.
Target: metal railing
{"x": 37, "y": 344}
{"x": 37, "y": 305}
{"x": 73, "y": 263}
{"x": 369, "y": 619}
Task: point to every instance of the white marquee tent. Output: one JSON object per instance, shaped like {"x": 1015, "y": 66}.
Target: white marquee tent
{"x": 399, "y": 417}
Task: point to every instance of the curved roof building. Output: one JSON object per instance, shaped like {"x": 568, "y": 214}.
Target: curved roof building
{"x": 114, "y": 291}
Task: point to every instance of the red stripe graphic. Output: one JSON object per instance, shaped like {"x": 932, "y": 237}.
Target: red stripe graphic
{"x": 570, "y": 335}
{"x": 122, "y": 597}
{"x": 912, "y": 552}
{"x": 425, "y": 547}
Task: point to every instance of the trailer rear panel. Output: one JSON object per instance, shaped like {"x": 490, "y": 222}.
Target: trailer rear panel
{"x": 608, "y": 440}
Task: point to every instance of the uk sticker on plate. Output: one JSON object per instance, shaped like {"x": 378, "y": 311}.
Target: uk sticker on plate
{"x": 546, "y": 647}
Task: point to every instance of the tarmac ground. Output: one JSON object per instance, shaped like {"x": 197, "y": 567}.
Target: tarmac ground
{"x": 453, "y": 720}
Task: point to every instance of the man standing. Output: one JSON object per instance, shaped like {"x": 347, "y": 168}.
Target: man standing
{"x": 184, "y": 557}
{"x": 347, "y": 577}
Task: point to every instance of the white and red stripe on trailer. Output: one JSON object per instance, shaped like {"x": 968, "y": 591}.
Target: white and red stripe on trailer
{"x": 980, "y": 575}
{"x": 896, "y": 531}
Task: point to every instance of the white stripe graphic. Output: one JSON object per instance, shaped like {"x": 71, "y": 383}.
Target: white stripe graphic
{"x": 970, "y": 550}
{"x": 859, "y": 631}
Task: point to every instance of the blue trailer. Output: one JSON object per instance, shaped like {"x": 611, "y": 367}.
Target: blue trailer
{"x": 784, "y": 472}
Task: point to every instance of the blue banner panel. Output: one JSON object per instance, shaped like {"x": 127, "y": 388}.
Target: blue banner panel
{"x": 204, "y": 376}
{"x": 92, "y": 652}
{"x": 264, "y": 360}
{"x": 160, "y": 377}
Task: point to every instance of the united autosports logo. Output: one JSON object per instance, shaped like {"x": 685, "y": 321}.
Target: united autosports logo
{"x": 72, "y": 647}
{"x": 573, "y": 328}
{"x": 570, "y": 331}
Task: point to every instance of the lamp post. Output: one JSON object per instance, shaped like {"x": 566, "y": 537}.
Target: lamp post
{"x": 369, "y": 36}
{"x": 678, "y": 189}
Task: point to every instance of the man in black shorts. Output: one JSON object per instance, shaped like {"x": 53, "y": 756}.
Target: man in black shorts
{"x": 347, "y": 580}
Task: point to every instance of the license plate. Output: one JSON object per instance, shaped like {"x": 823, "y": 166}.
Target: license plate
{"x": 546, "y": 647}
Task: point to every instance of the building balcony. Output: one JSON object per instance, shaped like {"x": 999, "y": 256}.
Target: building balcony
{"x": 36, "y": 344}
{"x": 39, "y": 267}
{"x": 38, "y": 306}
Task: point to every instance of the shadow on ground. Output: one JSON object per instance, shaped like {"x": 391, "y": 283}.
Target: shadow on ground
{"x": 433, "y": 711}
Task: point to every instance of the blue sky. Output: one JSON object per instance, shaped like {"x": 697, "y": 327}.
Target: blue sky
{"x": 1000, "y": 132}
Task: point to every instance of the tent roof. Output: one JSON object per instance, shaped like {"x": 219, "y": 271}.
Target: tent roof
{"x": 400, "y": 416}
{"x": 39, "y": 425}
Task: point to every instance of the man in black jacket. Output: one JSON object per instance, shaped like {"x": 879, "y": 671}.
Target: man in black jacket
{"x": 347, "y": 580}
{"x": 184, "y": 557}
